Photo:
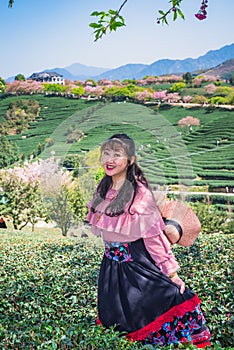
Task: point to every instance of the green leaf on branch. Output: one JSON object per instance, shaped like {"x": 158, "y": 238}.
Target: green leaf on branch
{"x": 107, "y": 20}
{"x": 175, "y": 16}
{"x": 180, "y": 13}
{"x": 11, "y": 2}
{"x": 96, "y": 13}
{"x": 116, "y": 25}
{"x": 113, "y": 12}
{"x": 164, "y": 20}
{"x": 95, "y": 25}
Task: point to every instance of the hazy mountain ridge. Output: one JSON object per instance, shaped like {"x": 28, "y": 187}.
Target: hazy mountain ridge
{"x": 224, "y": 70}
{"x": 78, "y": 69}
{"x": 127, "y": 71}
{"x": 167, "y": 66}
{"x": 211, "y": 59}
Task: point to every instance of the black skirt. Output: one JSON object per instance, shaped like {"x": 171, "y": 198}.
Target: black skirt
{"x": 136, "y": 298}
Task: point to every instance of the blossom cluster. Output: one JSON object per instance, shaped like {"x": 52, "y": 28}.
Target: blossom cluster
{"x": 188, "y": 121}
{"x": 202, "y": 13}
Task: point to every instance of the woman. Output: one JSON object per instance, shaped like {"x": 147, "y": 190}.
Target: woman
{"x": 139, "y": 290}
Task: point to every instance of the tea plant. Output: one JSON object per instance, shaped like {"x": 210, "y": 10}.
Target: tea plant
{"x": 48, "y": 288}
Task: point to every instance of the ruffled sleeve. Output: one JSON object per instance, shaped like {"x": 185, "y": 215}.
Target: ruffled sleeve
{"x": 160, "y": 250}
{"x": 144, "y": 219}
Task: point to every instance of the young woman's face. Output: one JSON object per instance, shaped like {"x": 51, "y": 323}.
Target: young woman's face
{"x": 115, "y": 162}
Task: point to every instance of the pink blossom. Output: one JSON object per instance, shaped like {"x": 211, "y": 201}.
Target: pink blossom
{"x": 200, "y": 16}
{"x": 88, "y": 89}
{"x": 24, "y": 87}
{"x": 210, "y": 88}
{"x": 197, "y": 82}
{"x": 159, "y": 95}
{"x": 187, "y": 99}
{"x": 173, "y": 97}
{"x": 202, "y": 13}
{"x": 90, "y": 83}
{"x": 150, "y": 80}
{"x": 187, "y": 121}
{"x": 104, "y": 82}
{"x": 141, "y": 82}
{"x": 98, "y": 91}
{"x": 143, "y": 95}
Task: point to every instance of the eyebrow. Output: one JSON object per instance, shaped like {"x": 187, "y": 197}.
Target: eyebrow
{"x": 114, "y": 149}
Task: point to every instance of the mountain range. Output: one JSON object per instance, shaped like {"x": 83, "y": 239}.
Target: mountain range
{"x": 211, "y": 59}
{"x": 167, "y": 66}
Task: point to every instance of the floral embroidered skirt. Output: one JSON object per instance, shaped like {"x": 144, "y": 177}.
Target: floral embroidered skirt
{"x": 139, "y": 300}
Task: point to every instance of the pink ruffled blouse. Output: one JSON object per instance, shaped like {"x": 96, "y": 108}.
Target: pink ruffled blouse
{"x": 143, "y": 221}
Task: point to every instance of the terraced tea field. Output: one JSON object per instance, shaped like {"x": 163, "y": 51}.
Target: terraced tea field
{"x": 201, "y": 155}
{"x": 54, "y": 110}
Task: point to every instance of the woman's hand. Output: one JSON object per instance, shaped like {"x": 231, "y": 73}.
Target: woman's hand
{"x": 176, "y": 279}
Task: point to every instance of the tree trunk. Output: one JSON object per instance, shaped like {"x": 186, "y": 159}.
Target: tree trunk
{"x": 23, "y": 225}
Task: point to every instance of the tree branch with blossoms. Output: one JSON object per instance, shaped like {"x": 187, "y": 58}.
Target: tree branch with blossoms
{"x": 202, "y": 13}
{"x": 175, "y": 9}
{"x": 107, "y": 20}
{"x": 111, "y": 20}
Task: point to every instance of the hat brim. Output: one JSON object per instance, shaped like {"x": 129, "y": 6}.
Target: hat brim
{"x": 186, "y": 218}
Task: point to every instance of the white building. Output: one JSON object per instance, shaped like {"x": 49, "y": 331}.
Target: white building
{"x": 48, "y": 77}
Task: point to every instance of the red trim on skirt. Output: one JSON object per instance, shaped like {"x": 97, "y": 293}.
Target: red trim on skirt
{"x": 156, "y": 325}
{"x": 200, "y": 341}
{"x": 203, "y": 345}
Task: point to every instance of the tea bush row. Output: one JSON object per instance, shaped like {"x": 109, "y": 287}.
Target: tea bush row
{"x": 48, "y": 290}
{"x": 144, "y": 125}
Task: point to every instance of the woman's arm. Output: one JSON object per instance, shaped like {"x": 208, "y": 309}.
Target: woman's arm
{"x": 160, "y": 250}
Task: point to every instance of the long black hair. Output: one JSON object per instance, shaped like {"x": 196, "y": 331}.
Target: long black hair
{"x": 129, "y": 189}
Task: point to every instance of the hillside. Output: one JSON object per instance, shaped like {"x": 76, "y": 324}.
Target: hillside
{"x": 168, "y": 153}
{"x": 128, "y": 71}
{"x": 224, "y": 70}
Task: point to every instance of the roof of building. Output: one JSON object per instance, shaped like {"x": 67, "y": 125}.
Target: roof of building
{"x": 45, "y": 75}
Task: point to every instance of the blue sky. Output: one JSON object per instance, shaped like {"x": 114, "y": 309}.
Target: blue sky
{"x": 36, "y": 35}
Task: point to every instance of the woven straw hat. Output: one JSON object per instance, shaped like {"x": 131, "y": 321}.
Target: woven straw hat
{"x": 189, "y": 227}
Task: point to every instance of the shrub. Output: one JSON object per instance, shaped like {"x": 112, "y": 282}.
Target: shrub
{"x": 177, "y": 87}
{"x": 9, "y": 152}
{"x": 49, "y": 141}
{"x": 75, "y": 136}
{"x": 19, "y": 188}
{"x": 199, "y": 99}
{"x": 72, "y": 162}
{"x": 2, "y": 85}
{"x": 206, "y": 268}
{"x": 211, "y": 219}
{"x": 19, "y": 114}
{"x": 223, "y": 91}
{"x": 229, "y": 99}
{"x": 49, "y": 287}
{"x": 217, "y": 100}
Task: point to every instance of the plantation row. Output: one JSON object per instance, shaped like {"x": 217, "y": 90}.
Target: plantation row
{"x": 166, "y": 151}
{"x": 53, "y": 112}
{"x": 48, "y": 289}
